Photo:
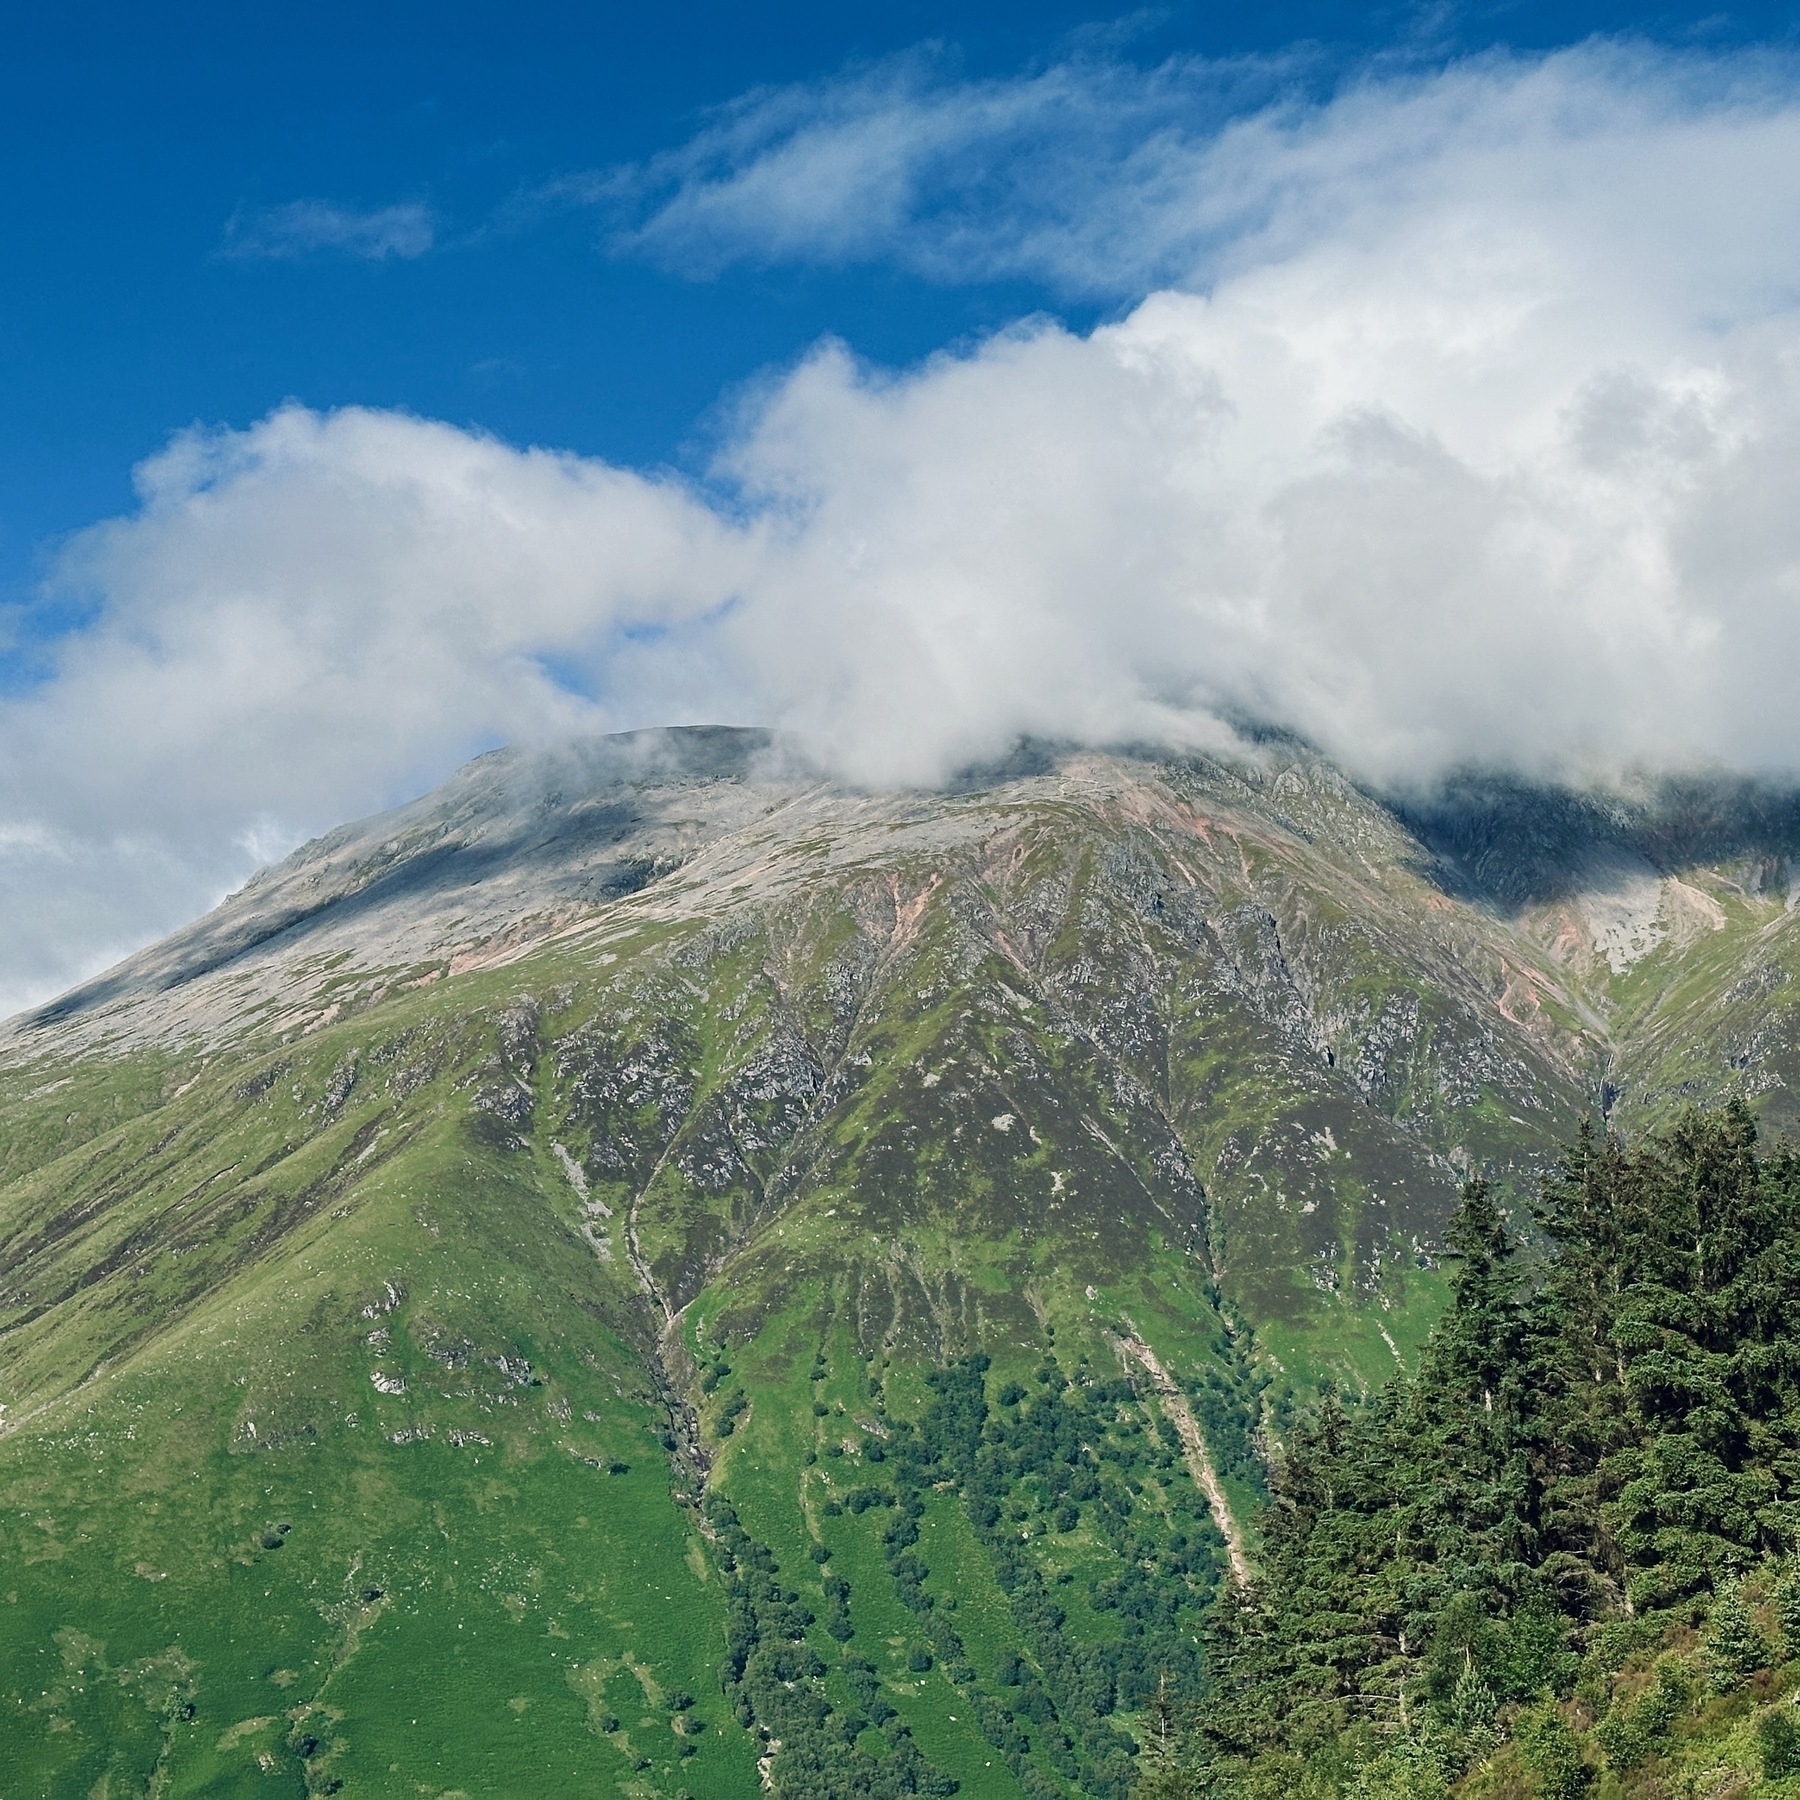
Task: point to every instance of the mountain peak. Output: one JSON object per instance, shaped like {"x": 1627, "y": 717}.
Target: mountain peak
{"x": 719, "y": 1196}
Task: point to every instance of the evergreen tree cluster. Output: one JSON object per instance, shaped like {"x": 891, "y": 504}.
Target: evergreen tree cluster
{"x": 775, "y": 1682}
{"x": 1043, "y": 1458}
{"x": 1562, "y": 1539}
{"x": 1026, "y": 1466}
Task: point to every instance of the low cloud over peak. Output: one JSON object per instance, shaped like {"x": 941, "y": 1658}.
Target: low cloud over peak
{"x": 1463, "y": 427}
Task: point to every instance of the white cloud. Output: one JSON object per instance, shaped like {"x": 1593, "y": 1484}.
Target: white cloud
{"x": 1475, "y": 437}
{"x": 307, "y": 227}
{"x": 1055, "y": 175}
{"x": 1106, "y": 180}
{"x": 300, "y": 622}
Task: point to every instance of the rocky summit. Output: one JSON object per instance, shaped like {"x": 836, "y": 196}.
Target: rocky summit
{"x": 650, "y": 1270}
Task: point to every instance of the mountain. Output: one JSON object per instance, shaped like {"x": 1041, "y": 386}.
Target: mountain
{"x": 649, "y": 1269}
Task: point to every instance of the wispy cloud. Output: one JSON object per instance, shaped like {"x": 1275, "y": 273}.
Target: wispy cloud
{"x": 1107, "y": 180}
{"x": 1056, "y": 174}
{"x": 314, "y": 227}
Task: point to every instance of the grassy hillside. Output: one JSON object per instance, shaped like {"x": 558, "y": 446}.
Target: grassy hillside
{"x": 349, "y": 1440}
{"x": 675, "y": 1318}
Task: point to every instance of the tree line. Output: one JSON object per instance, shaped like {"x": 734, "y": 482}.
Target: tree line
{"x": 1559, "y": 1553}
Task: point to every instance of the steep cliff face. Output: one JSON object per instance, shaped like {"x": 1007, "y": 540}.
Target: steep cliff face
{"x": 633, "y": 1127}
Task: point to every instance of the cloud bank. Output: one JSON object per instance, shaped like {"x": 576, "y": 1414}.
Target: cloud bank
{"x": 1465, "y": 429}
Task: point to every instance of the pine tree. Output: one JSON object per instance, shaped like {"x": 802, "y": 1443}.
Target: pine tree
{"x": 1552, "y": 1752}
{"x": 1786, "y": 1596}
{"x": 1161, "y": 1764}
{"x": 1568, "y": 1463}
{"x": 1476, "y": 1347}
{"x": 1735, "y": 1645}
{"x": 1778, "y": 1743}
{"x": 1413, "y": 1766}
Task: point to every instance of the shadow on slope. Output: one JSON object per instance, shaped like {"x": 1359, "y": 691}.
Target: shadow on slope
{"x": 512, "y": 811}
{"x": 1509, "y": 843}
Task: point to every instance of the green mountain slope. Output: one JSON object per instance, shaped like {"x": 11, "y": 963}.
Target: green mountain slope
{"x": 491, "y": 1308}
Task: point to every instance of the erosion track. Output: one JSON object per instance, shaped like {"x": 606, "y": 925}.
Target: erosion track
{"x": 1199, "y": 1458}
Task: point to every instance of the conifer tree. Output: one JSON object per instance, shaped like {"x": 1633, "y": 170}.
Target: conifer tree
{"x": 1735, "y": 1645}
{"x": 1786, "y": 1597}
{"x": 1162, "y": 1774}
{"x": 1614, "y": 1445}
{"x": 1476, "y": 1348}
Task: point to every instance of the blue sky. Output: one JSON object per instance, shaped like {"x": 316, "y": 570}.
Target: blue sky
{"x": 385, "y": 383}
{"x": 135, "y": 135}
